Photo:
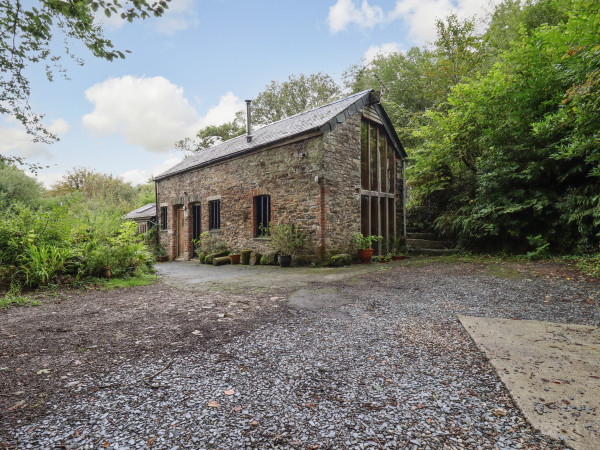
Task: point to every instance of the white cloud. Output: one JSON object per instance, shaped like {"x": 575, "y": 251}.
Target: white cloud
{"x": 14, "y": 140}
{"x": 47, "y": 179}
{"x": 150, "y": 112}
{"x": 418, "y": 15}
{"x": 141, "y": 176}
{"x": 381, "y": 50}
{"x": 345, "y": 12}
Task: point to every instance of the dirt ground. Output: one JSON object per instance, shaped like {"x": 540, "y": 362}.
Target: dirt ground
{"x": 45, "y": 350}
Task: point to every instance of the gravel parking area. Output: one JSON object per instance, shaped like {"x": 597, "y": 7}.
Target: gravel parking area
{"x": 389, "y": 367}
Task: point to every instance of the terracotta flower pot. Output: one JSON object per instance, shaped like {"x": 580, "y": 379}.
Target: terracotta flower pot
{"x": 235, "y": 259}
{"x": 365, "y": 255}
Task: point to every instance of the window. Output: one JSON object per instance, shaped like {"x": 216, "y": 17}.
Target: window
{"x": 378, "y": 182}
{"x": 163, "y": 218}
{"x": 214, "y": 220}
{"x": 262, "y": 215}
{"x": 196, "y": 220}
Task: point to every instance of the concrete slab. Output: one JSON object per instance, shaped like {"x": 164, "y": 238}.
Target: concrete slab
{"x": 552, "y": 371}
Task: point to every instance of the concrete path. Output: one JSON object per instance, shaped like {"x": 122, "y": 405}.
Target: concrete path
{"x": 552, "y": 371}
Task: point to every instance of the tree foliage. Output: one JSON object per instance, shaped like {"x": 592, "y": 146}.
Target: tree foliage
{"x": 16, "y": 186}
{"x": 28, "y": 38}
{"x": 103, "y": 188}
{"x": 517, "y": 151}
{"x": 276, "y": 102}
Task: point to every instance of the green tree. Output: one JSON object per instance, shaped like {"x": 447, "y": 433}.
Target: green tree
{"x": 16, "y": 186}
{"x": 29, "y": 32}
{"x": 517, "y": 151}
{"x": 97, "y": 187}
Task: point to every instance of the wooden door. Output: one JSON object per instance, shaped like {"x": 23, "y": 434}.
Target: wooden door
{"x": 180, "y": 233}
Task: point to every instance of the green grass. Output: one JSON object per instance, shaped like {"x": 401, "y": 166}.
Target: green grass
{"x": 17, "y": 300}
{"x": 138, "y": 280}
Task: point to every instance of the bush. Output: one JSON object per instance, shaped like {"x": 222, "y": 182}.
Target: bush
{"x": 340, "y": 260}
{"x": 286, "y": 239}
{"x": 268, "y": 259}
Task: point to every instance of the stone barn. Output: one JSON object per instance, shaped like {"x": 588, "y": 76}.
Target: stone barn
{"x": 333, "y": 171}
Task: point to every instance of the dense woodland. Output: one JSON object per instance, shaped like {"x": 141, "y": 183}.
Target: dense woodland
{"x": 502, "y": 128}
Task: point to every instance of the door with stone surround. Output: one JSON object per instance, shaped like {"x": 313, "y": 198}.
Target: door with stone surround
{"x": 180, "y": 233}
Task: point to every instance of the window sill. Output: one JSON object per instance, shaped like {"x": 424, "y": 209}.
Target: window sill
{"x": 261, "y": 238}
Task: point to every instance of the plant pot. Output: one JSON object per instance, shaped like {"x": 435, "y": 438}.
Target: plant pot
{"x": 285, "y": 260}
{"x": 245, "y": 258}
{"x": 397, "y": 257}
{"x": 106, "y": 272}
{"x": 235, "y": 259}
{"x": 163, "y": 258}
{"x": 365, "y": 255}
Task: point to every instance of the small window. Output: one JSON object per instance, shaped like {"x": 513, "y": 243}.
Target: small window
{"x": 262, "y": 215}
{"x": 214, "y": 222}
{"x": 163, "y": 218}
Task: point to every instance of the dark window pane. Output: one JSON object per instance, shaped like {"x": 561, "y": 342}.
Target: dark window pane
{"x": 391, "y": 214}
{"x": 364, "y": 155}
{"x": 391, "y": 167}
{"x": 374, "y": 216}
{"x": 215, "y": 215}
{"x": 364, "y": 215}
{"x": 196, "y": 221}
{"x": 163, "y": 218}
{"x": 373, "y": 151}
{"x": 383, "y": 222}
{"x": 262, "y": 215}
{"x": 382, "y": 160}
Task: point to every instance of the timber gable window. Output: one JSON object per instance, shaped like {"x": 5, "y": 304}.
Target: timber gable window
{"x": 378, "y": 176}
{"x": 163, "y": 218}
{"x": 214, "y": 219}
{"x": 262, "y": 215}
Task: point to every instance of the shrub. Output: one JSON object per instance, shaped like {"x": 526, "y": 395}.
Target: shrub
{"x": 286, "y": 239}
{"x": 268, "y": 259}
{"x": 340, "y": 260}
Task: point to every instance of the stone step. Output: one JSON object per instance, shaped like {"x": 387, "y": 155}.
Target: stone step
{"x": 424, "y": 243}
{"x": 422, "y": 235}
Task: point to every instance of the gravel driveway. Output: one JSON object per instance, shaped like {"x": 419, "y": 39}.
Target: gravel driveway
{"x": 388, "y": 367}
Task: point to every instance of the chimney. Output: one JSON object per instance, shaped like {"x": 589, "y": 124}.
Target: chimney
{"x": 248, "y": 122}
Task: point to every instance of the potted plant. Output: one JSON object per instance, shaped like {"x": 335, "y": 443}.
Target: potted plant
{"x": 286, "y": 240}
{"x": 245, "y": 257}
{"x": 235, "y": 258}
{"x": 397, "y": 244}
{"x": 365, "y": 246}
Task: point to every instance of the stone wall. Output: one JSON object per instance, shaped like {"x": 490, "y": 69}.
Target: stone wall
{"x": 342, "y": 185}
{"x": 286, "y": 173}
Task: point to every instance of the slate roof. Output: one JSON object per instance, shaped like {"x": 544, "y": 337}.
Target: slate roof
{"x": 144, "y": 212}
{"x": 323, "y": 119}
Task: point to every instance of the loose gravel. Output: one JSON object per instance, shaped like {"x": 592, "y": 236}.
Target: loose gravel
{"x": 392, "y": 369}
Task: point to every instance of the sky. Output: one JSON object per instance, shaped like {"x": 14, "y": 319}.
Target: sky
{"x": 195, "y": 66}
